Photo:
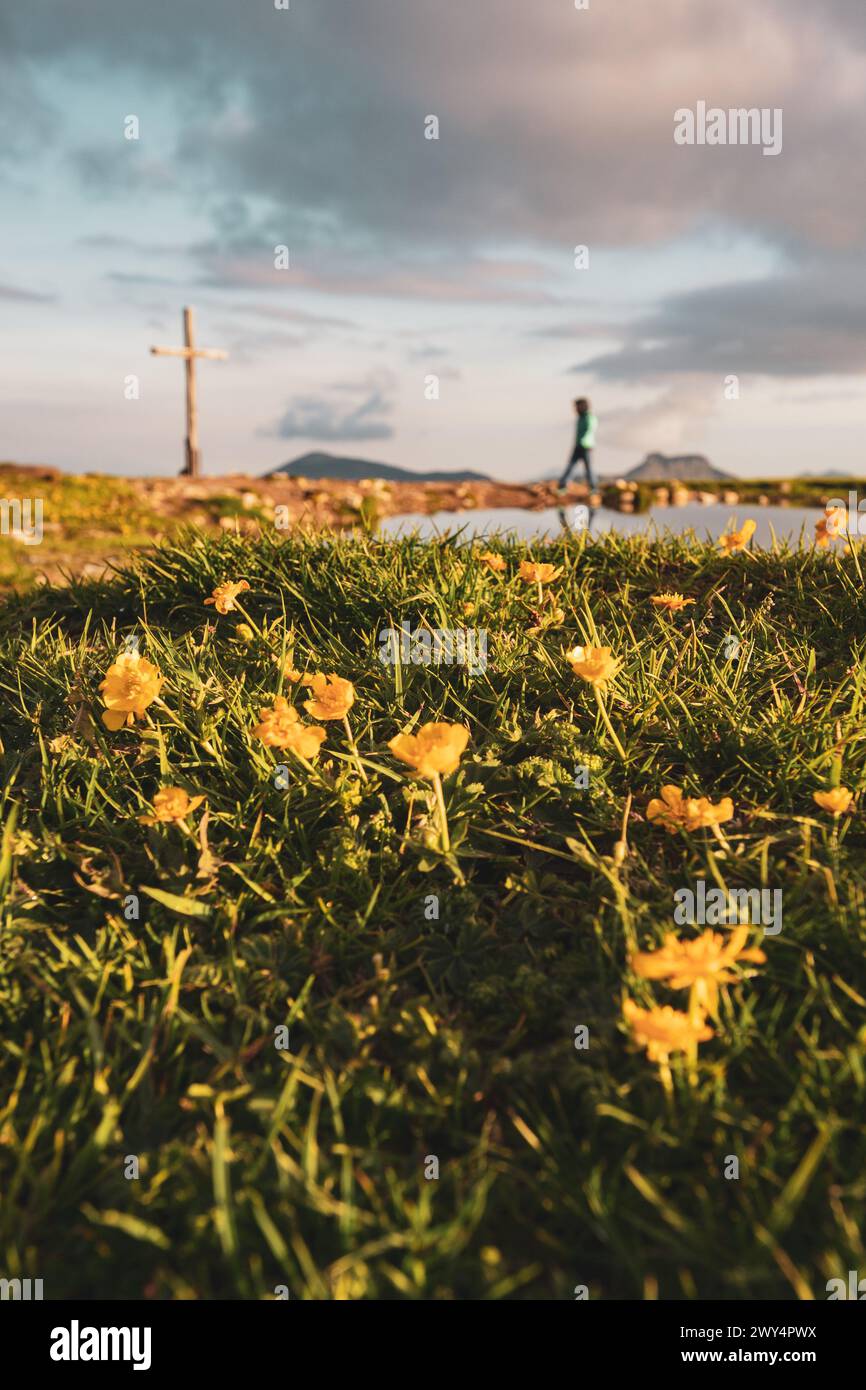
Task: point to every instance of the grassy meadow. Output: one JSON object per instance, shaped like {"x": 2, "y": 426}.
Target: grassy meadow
{"x": 144, "y": 968}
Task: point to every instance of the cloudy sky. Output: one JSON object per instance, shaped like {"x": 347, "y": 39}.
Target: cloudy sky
{"x": 412, "y": 257}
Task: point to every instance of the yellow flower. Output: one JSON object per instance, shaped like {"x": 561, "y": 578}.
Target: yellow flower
{"x": 593, "y": 664}
{"x": 290, "y": 673}
{"x": 836, "y": 801}
{"x": 737, "y": 540}
{"x": 435, "y": 750}
{"x": 829, "y": 526}
{"x": 538, "y": 574}
{"x": 494, "y": 562}
{"x": 224, "y": 595}
{"x": 171, "y": 804}
{"x": 334, "y": 697}
{"x": 130, "y": 685}
{"x": 701, "y": 964}
{"x": 663, "y": 1031}
{"x": 672, "y": 603}
{"x": 281, "y": 727}
{"x": 677, "y": 812}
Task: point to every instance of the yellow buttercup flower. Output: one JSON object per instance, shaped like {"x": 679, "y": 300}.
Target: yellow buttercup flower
{"x": 434, "y": 751}
{"x": 593, "y": 664}
{"x": 737, "y": 540}
{"x": 663, "y": 1031}
{"x": 224, "y": 595}
{"x": 677, "y": 812}
{"x": 538, "y": 574}
{"x": 171, "y": 804}
{"x": 333, "y": 697}
{"x": 672, "y": 603}
{"x": 130, "y": 685}
{"x": 596, "y": 666}
{"x": 836, "y": 801}
{"x": 281, "y": 727}
{"x": 701, "y": 964}
{"x": 830, "y": 526}
{"x": 494, "y": 562}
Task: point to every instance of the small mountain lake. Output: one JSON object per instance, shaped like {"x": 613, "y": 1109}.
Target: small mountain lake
{"x": 788, "y": 523}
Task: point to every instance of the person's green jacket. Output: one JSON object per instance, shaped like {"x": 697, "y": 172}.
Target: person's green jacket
{"x": 586, "y": 430}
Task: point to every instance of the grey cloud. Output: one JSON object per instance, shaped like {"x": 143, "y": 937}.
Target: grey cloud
{"x": 286, "y": 314}
{"x": 244, "y": 346}
{"x": 324, "y": 418}
{"x": 305, "y": 127}
{"x": 28, "y": 123}
{"x": 556, "y": 125}
{"x": 674, "y": 419}
{"x": 14, "y": 292}
{"x": 107, "y": 170}
{"x": 108, "y": 241}
{"x": 123, "y": 277}
{"x": 803, "y": 323}
{"x": 600, "y": 318}
{"x": 468, "y": 280}
{"x": 426, "y": 352}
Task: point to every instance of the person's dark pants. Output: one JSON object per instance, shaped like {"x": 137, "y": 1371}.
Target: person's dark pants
{"x": 580, "y": 455}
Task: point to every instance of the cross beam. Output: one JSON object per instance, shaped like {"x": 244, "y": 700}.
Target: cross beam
{"x": 190, "y": 352}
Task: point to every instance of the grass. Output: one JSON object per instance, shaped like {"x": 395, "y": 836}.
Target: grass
{"x": 310, "y": 905}
{"x": 85, "y": 517}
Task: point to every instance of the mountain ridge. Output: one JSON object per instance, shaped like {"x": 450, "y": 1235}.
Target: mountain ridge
{"x": 319, "y": 465}
{"x": 668, "y": 468}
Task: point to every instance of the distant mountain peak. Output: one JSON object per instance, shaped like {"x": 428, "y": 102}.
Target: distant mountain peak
{"x": 669, "y": 468}
{"x": 317, "y": 466}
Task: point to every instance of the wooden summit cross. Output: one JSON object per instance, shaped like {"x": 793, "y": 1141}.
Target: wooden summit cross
{"x": 190, "y": 352}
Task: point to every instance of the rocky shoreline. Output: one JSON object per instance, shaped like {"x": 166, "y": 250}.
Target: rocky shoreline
{"x": 93, "y": 520}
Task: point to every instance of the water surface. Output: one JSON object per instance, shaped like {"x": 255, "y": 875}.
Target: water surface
{"x": 706, "y": 521}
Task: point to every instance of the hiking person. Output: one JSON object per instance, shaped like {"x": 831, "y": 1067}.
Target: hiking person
{"x": 583, "y": 444}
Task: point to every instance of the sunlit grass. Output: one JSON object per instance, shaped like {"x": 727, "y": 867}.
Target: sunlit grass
{"x": 309, "y": 904}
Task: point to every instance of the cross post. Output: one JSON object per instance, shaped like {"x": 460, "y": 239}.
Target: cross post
{"x": 189, "y": 352}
